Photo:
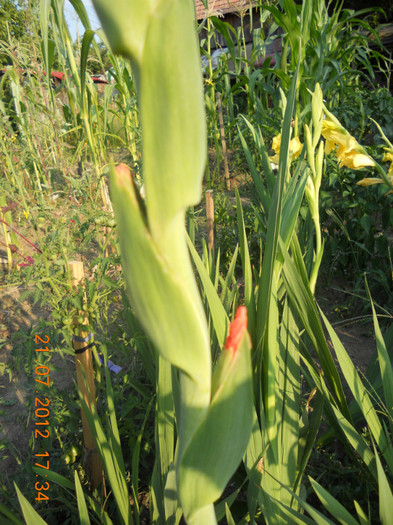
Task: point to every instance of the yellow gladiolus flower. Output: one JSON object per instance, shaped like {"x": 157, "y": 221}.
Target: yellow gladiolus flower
{"x": 374, "y": 180}
{"x": 295, "y": 148}
{"x": 348, "y": 151}
{"x": 388, "y": 157}
{"x": 369, "y": 181}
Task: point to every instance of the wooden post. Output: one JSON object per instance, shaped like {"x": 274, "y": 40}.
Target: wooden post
{"x": 82, "y": 343}
{"x": 210, "y": 218}
{"x": 223, "y": 141}
{"x": 107, "y": 206}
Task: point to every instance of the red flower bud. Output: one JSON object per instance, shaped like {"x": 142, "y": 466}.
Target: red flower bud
{"x": 236, "y": 330}
{"x": 124, "y": 174}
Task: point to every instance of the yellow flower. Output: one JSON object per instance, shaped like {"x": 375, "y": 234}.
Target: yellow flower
{"x": 374, "y": 180}
{"x": 348, "y": 151}
{"x": 295, "y": 148}
{"x": 388, "y": 157}
{"x": 26, "y": 214}
{"x": 369, "y": 181}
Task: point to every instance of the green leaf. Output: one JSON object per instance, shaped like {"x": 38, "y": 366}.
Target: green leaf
{"x": 86, "y": 41}
{"x": 361, "y": 396}
{"x": 173, "y": 512}
{"x": 332, "y": 505}
{"x": 82, "y": 507}
{"x": 81, "y": 12}
{"x": 9, "y": 515}
{"x": 165, "y": 418}
{"x": 44, "y": 25}
{"x": 229, "y": 516}
{"x": 55, "y": 477}
{"x": 31, "y": 516}
{"x": 363, "y": 519}
{"x": 274, "y": 222}
{"x": 217, "y": 310}
{"x": 297, "y": 285}
{"x": 109, "y": 461}
{"x": 220, "y": 440}
{"x": 174, "y": 167}
{"x": 249, "y": 299}
{"x": 385, "y": 364}
{"x": 153, "y": 285}
{"x": 385, "y": 493}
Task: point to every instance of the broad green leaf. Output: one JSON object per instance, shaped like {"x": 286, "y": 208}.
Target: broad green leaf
{"x": 220, "y": 440}
{"x": 174, "y": 167}
{"x": 126, "y": 33}
{"x": 173, "y": 512}
{"x": 251, "y": 459}
{"x": 288, "y": 398}
{"x": 81, "y": 12}
{"x": 290, "y": 515}
{"x": 179, "y": 332}
{"x": 56, "y": 478}
{"x": 291, "y": 205}
{"x": 31, "y": 516}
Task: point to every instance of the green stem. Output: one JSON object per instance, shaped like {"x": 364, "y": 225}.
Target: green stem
{"x": 318, "y": 249}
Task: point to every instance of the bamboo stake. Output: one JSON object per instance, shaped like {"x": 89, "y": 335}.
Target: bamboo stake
{"x": 223, "y": 141}
{"x": 85, "y": 380}
{"x": 210, "y": 218}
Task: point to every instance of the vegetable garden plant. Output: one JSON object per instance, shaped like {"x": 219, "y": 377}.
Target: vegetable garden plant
{"x": 248, "y": 381}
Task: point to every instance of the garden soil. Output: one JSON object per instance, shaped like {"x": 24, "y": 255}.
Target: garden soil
{"x": 17, "y": 318}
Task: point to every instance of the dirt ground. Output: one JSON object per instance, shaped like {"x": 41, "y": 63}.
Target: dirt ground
{"x": 17, "y": 320}
{"x": 355, "y": 332}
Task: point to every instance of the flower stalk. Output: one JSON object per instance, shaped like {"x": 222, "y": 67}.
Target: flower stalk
{"x": 213, "y": 407}
{"x": 315, "y": 155}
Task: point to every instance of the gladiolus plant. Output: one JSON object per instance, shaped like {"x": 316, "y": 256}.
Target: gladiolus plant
{"x": 213, "y": 407}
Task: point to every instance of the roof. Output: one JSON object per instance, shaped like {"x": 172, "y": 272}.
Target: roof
{"x": 60, "y": 75}
{"x": 220, "y": 7}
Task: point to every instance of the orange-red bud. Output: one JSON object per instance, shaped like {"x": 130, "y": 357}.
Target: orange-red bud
{"x": 236, "y": 330}
{"x": 124, "y": 174}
